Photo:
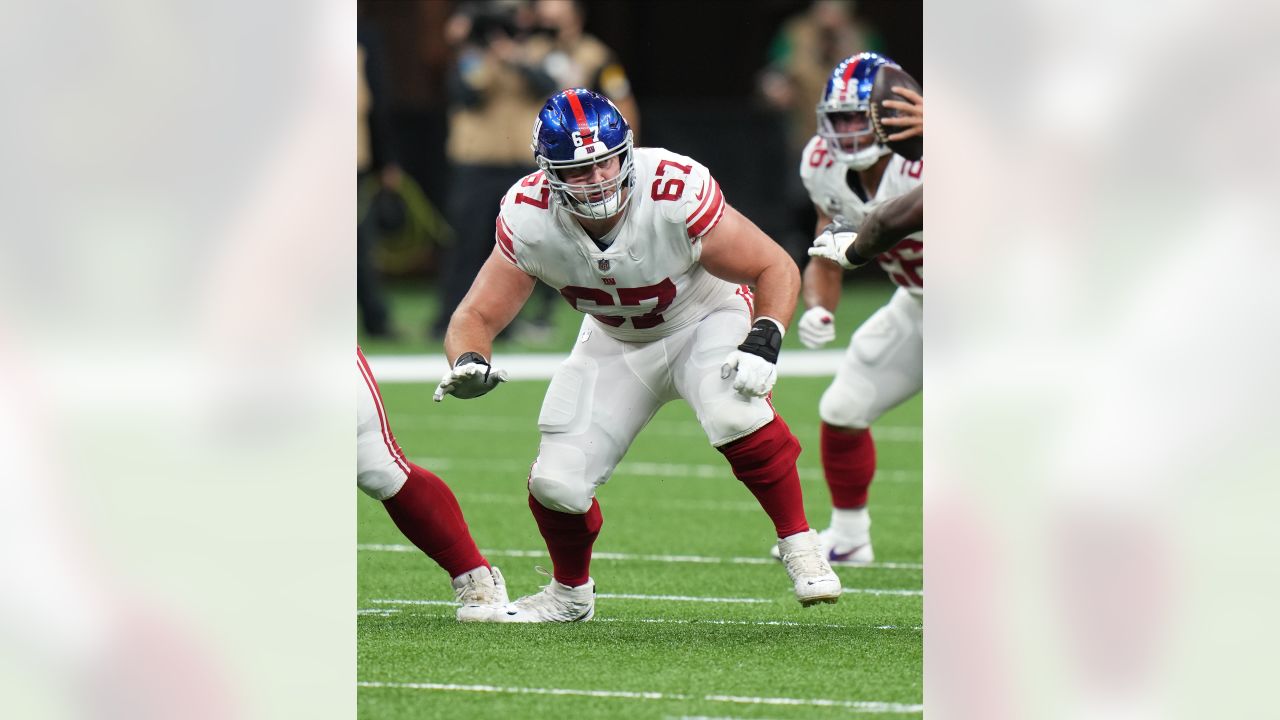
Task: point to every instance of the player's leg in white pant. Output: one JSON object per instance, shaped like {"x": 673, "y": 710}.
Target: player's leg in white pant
{"x": 724, "y": 413}
{"x": 380, "y": 467}
{"x": 882, "y": 368}
{"x": 597, "y": 403}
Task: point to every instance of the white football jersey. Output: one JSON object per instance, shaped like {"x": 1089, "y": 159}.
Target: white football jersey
{"x": 825, "y": 179}
{"x": 647, "y": 283}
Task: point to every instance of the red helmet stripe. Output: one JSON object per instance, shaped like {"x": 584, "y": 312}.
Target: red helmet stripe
{"x": 578, "y": 113}
{"x": 848, "y": 73}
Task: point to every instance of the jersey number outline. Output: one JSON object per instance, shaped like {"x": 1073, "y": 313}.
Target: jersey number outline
{"x": 903, "y": 261}
{"x": 674, "y": 188}
{"x": 664, "y": 292}
{"x": 821, "y": 155}
{"x": 539, "y": 202}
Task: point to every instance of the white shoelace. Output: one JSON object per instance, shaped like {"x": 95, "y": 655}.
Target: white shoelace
{"x": 805, "y": 563}
{"x": 476, "y": 592}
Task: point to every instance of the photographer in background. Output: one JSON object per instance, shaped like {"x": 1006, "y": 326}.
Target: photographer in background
{"x": 494, "y": 88}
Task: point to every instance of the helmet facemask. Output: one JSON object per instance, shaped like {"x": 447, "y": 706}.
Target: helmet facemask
{"x": 849, "y": 134}
{"x": 598, "y": 200}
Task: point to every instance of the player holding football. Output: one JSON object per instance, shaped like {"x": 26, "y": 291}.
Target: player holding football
{"x": 421, "y": 505}
{"x": 642, "y": 241}
{"x": 848, "y": 174}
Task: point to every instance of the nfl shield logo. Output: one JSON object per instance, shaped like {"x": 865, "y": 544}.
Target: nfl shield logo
{"x": 603, "y": 265}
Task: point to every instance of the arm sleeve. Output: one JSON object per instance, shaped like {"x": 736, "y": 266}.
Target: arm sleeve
{"x": 509, "y": 243}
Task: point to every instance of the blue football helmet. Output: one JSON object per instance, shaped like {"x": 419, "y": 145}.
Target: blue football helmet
{"x": 576, "y": 129}
{"x": 844, "y": 120}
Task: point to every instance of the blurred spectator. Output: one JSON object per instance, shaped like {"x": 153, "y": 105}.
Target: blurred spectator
{"x": 573, "y": 59}
{"x": 375, "y": 156}
{"x": 800, "y": 59}
{"x": 495, "y": 90}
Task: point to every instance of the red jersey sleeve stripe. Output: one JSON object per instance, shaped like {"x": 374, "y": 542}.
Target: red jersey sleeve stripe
{"x": 707, "y": 198}
{"x": 708, "y": 208}
{"x": 507, "y": 254}
{"x": 505, "y": 243}
{"x": 710, "y": 217}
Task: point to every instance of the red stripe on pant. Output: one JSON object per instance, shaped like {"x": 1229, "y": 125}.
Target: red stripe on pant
{"x": 765, "y": 461}
{"x": 849, "y": 462}
{"x": 569, "y": 539}
{"x": 427, "y": 512}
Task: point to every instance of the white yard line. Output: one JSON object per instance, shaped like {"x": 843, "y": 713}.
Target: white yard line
{"x": 858, "y": 705}
{"x": 683, "y": 598}
{"x": 665, "y": 428}
{"x": 745, "y": 506}
{"x": 387, "y": 612}
{"x": 696, "y": 559}
{"x": 540, "y": 366}
{"x": 719, "y": 471}
{"x": 675, "y": 598}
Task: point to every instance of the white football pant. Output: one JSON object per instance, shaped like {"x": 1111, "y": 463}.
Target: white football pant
{"x": 883, "y": 367}
{"x": 381, "y": 468}
{"x": 607, "y": 390}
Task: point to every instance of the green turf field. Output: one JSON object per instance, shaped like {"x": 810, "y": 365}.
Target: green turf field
{"x": 720, "y": 634}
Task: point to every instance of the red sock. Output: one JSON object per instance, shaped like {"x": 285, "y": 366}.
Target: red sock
{"x": 848, "y": 461}
{"x": 765, "y": 461}
{"x": 569, "y": 539}
{"x": 427, "y": 513}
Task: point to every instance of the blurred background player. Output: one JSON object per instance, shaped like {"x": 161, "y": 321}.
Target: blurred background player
{"x": 800, "y": 57}
{"x": 891, "y": 222}
{"x": 848, "y": 173}
{"x": 421, "y": 505}
{"x": 642, "y": 241}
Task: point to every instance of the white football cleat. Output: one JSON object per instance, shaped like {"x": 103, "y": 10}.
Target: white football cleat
{"x": 838, "y": 552}
{"x": 479, "y": 591}
{"x": 815, "y": 582}
{"x": 556, "y": 602}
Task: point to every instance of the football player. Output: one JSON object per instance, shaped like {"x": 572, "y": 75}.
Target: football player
{"x": 642, "y": 241}
{"x": 421, "y": 505}
{"x": 849, "y": 174}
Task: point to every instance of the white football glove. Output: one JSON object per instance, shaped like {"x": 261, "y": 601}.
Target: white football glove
{"x": 470, "y": 377}
{"x": 817, "y": 327}
{"x": 833, "y": 244}
{"x": 756, "y": 360}
{"x": 755, "y": 377}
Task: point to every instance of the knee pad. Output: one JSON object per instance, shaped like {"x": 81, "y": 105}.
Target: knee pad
{"x": 381, "y": 482}
{"x": 558, "y": 480}
{"x": 849, "y": 402}
{"x": 378, "y": 472}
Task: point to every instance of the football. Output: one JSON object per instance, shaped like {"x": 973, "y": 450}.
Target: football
{"x": 881, "y": 90}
